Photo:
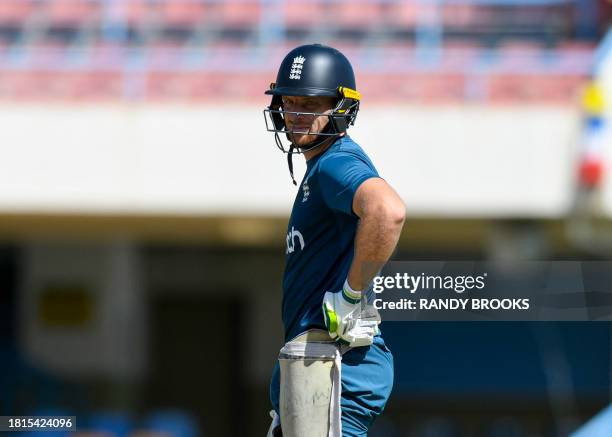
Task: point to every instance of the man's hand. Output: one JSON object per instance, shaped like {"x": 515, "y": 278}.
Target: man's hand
{"x": 345, "y": 319}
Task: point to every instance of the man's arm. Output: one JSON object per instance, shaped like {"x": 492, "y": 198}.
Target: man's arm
{"x": 381, "y": 213}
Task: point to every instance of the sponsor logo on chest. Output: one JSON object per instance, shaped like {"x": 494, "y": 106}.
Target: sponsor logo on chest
{"x": 292, "y": 236}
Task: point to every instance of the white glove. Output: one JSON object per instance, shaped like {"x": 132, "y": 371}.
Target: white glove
{"x": 346, "y": 319}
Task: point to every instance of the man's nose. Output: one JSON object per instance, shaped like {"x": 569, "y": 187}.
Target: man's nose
{"x": 297, "y": 115}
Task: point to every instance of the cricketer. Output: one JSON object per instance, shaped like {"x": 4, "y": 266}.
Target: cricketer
{"x": 335, "y": 373}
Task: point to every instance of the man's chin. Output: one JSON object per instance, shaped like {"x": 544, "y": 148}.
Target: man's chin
{"x": 303, "y": 141}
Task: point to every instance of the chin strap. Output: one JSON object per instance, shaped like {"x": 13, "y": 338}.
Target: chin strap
{"x": 289, "y": 153}
{"x": 293, "y": 147}
{"x": 290, "y": 163}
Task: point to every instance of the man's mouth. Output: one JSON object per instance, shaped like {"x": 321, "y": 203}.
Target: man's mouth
{"x": 300, "y": 129}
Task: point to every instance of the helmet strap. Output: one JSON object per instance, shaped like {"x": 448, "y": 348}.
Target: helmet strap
{"x": 290, "y": 163}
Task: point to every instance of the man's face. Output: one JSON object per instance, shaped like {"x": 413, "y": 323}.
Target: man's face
{"x": 303, "y": 123}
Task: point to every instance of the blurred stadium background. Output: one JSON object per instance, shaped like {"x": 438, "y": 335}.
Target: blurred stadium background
{"x": 143, "y": 205}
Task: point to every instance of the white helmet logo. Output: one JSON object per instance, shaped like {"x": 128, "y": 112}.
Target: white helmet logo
{"x": 296, "y": 67}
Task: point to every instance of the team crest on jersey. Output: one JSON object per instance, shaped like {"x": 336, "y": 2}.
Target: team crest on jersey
{"x": 296, "y": 67}
{"x": 291, "y": 236}
{"x": 305, "y": 190}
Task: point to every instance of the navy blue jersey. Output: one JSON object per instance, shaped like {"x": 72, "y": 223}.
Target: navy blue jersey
{"x": 321, "y": 233}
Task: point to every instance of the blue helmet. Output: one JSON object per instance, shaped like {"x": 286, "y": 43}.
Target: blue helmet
{"x": 313, "y": 70}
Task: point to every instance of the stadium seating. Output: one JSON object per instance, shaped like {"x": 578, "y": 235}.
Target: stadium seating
{"x": 198, "y": 50}
{"x": 300, "y": 19}
{"x": 67, "y": 20}
{"x": 181, "y": 19}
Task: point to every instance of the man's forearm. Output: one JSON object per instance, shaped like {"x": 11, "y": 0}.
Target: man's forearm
{"x": 376, "y": 238}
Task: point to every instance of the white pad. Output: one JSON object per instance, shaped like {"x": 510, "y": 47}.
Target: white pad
{"x": 310, "y": 388}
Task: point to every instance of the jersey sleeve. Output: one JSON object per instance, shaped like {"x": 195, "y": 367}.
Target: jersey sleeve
{"x": 340, "y": 176}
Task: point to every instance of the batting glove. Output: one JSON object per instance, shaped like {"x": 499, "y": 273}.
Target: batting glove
{"x": 345, "y": 320}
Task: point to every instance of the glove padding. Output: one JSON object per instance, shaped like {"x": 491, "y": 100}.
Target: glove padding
{"x": 346, "y": 319}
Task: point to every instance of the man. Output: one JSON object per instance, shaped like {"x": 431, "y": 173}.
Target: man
{"x": 335, "y": 372}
